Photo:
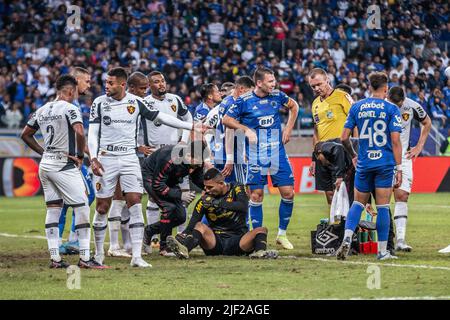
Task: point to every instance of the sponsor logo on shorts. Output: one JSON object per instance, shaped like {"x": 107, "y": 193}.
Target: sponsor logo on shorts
{"x": 98, "y": 186}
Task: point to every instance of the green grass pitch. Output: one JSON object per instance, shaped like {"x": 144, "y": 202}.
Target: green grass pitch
{"x": 296, "y": 275}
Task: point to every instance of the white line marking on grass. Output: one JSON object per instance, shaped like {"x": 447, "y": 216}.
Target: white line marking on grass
{"x": 8, "y": 235}
{"x": 413, "y": 266}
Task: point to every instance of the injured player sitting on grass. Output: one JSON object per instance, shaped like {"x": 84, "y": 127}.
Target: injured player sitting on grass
{"x": 225, "y": 206}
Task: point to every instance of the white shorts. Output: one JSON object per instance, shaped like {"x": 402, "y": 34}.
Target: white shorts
{"x": 407, "y": 175}
{"x": 127, "y": 168}
{"x": 67, "y": 185}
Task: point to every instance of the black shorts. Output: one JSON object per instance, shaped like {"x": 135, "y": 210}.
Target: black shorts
{"x": 226, "y": 246}
{"x": 325, "y": 177}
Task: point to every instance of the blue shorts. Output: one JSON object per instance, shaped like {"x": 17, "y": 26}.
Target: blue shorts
{"x": 280, "y": 174}
{"x": 369, "y": 180}
{"x": 238, "y": 175}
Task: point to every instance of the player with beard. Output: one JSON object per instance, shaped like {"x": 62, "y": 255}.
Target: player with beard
{"x": 112, "y": 144}
{"x": 119, "y": 215}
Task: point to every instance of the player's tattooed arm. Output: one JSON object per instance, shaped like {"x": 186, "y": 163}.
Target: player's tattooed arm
{"x": 292, "y": 105}
{"x": 425, "y": 127}
{"x": 239, "y": 204}
{"x": 27, "y": 136}
{"x": 397, "y": 150}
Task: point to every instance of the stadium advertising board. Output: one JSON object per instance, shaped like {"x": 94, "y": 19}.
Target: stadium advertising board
{"x": 19, "y": 176}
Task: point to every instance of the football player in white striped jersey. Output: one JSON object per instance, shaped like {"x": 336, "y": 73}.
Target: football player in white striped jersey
{"x": 112, "y": 144}
{"x": 61, "y": 125}
{"x": 409, "y": 110}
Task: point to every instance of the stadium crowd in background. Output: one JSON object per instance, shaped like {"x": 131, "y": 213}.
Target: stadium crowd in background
{"x": 195, "y": 42}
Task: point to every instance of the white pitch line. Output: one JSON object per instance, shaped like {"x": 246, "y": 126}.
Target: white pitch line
{"x": 8, "y": 235}
{"x": 413, "y": 266}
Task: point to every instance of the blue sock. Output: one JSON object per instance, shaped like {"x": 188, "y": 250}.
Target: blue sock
{"x": 256, "y": 213}
{"x": 73, "y": 222}
{"x": 383, "y": 222}
{"x": 62, "y": 220}
{"x": 353, "y": 216}
{"x": 285, "y": 212}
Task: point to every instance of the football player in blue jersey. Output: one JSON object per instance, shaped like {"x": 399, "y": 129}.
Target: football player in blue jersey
{"x": 228, "y": 151}
{"x": 257, "y": 114}
{"x": 378, "y": 162}
{"x": 211, "y": 97}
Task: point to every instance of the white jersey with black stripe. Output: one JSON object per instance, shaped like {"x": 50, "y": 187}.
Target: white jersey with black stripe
{"x": 155, "y": 133}
{"x": 55, "y": 120}
{"x": 409, "y": 110}
{"x": 119, "y": 123}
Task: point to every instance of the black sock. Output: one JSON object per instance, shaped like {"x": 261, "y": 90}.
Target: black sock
{"x": 260, "y": 241}
{"x": 151, "y": 230}
{"x": 192, "y": 240}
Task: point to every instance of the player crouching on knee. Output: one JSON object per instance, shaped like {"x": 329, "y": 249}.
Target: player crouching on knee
{"x": 225, "y": 206}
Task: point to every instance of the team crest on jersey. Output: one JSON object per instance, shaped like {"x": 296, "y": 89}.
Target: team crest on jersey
{"x": 173, "y": 107}
{"x": 329, "y": 114}
{"x": 273, "y": 104}
{"x": 405, "y": 116}
{"x": 131, "y": 109}
{"x": 98, "y": 186}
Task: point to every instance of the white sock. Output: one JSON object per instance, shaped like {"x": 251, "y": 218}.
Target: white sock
{"x": 382, "y": 247}
{"x": 52, "y": 232}
{"x": 152, "y": 214}
{"x": 125, "y": 228}
{"x": 281, "y": 232}
{"x": 72, "y": 236}
{"x": 348, "y": 234}
{"x": 99, "y": 225}
{"x": 136, "y": 229}
{"x": 114, "y": 218}
{"x": 400, "y": 218}
{"x": 83, "y": 229}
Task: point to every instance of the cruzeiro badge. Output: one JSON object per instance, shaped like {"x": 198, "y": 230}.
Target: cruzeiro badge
{"x": 131, "y": 109}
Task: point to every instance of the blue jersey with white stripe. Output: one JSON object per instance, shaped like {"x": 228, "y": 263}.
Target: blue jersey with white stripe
{"x": 219, "y": 148}
{"x": 201, "y": 112}
{"x": 262, "y": 115}
{"x": 375, "y": 119}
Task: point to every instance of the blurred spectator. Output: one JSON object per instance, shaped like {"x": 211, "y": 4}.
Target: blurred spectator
{"x": 13, "y": 117}
{"x": 196, "y": 42}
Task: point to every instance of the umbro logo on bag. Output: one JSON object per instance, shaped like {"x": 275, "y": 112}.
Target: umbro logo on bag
{"x": 324, "y": 238}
